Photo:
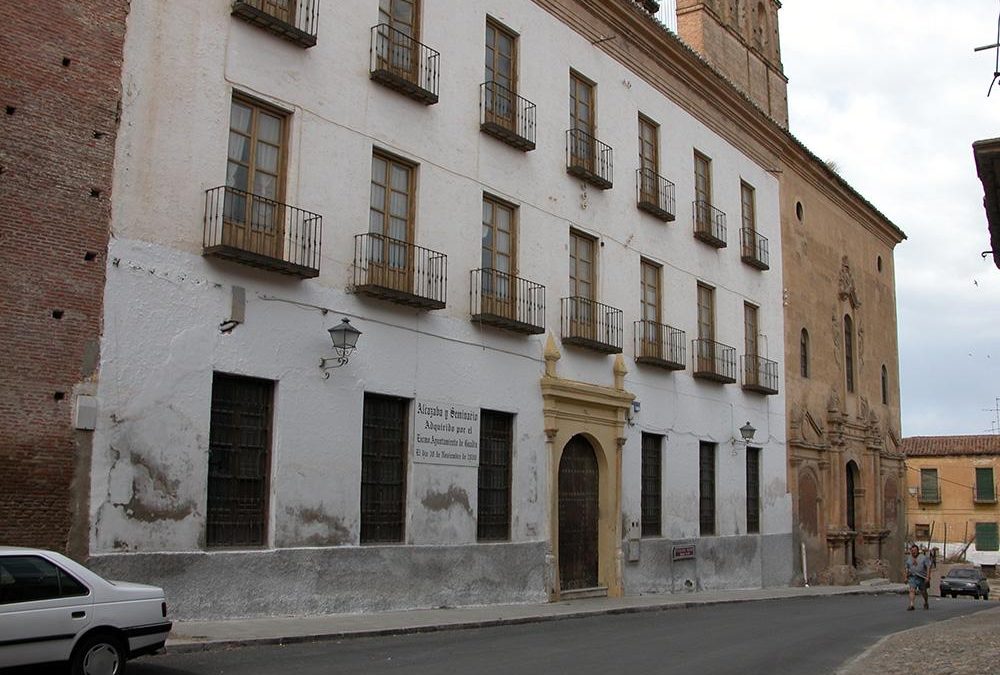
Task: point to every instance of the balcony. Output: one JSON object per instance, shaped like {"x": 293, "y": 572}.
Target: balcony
{"x": 591, "y": 325}
{"x": 753, "y": 249}
{"x": 507, "y": 116}
{"x": 401, "y": 63}
{"x": 293, "y": 20}
{"x": 655, "y": 194}
{"x": 984, "y": 494}
{"x": 398, "y": 271}
{"x": 928, "y": 494}
{"x": 709, "y": 224}
{"x": 759, "y": 374}
{"x": 714, "y": 361}
{"x": 260, "y": 232}
{"x": 500, "y": 299}
{"x": 658, "y": 344}
{"x": 588, "y": 159}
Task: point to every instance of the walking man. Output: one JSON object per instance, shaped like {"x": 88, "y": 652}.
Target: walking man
{"x": 918, "y": 575}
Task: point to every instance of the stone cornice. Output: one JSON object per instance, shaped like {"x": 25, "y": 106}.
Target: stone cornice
{"x": 653, "y": 52}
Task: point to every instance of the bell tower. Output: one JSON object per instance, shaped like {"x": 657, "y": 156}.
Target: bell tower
{"x": 740, "y": 39}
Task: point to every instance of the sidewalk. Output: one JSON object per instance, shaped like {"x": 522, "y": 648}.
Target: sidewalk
{"x": 188, "y": 636}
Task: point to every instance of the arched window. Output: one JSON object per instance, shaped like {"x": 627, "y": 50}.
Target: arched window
{"x": 885, "y": 386}
{"x": 849, "y": 351}
{"x": 804, "y": 353}
{"x": 760, "y": 27}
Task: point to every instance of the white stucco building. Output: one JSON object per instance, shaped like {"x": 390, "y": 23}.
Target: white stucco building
{"x": 561, "y": 337}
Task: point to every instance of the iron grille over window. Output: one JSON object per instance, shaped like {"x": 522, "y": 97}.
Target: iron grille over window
{"x": 986, "y": 537}
{"x": 238, "y": 461}
{"x": 753, "y": 490}
{"x": 706, "y": 488}
{"x": 496, "y": 441}
{"x": 652, "y": 493}
{"x": 383, "y": 469}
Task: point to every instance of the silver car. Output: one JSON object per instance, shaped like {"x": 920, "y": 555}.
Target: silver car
{"x": 53, "y": 609}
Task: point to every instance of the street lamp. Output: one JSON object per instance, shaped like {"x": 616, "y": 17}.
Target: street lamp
{"x": 345, "y": 338}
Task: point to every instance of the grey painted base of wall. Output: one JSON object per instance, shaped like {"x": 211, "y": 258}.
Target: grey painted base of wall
{"x": 752, "y": 561}
{"x": 312, "y": 581}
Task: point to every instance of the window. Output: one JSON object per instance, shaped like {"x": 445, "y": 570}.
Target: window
{"x": 750, "y": 332}
{"x": 255, "y": 177}
{"x": 985, "y": 486}
{"x": 239, "y": 460}
{"x": 650, "y": 291}
{"x": 581, "y": 265}
{"x": 885, "y": 386}
{"x": 986, "y": 537}
{"x": 748, "y": 207}
{"x": 383, "y": 468}
{"x": 753, "y": 490}
{"x": 581, "y": 123}
{"x": 390, "y": 221}
{"x": 706, "y": 488}
{"x": 498, "y": 236}
{"x": 804, "y": 353}
{"x": 929, "y": 486}
{"x": 702, "y": 179}
{"x": 496, "y": 446}
{"x": 501, "y": 66}
{"x": 402, "y": 15}
{"x": 706, "y": 312}
{"x": 649, "y": 160}
{"x": 651, "y": 495}
{"x": 500, "y": 92}
{"x": 922, "y": 531}
{"x": 30, "y": 578}
{"x": 849, "y": 351}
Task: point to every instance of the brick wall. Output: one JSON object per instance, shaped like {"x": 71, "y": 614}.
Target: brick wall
{"x": 60, "y": 75}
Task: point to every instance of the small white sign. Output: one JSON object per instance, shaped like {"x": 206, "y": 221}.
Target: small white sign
{"x": 446, "y": 434}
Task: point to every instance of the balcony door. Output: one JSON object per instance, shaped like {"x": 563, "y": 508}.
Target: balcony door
{"x": 252, "y": 216}
{"x": 583, "y": 318}
{"x": 501, "y": 90}
{"x": 498, "y": 287}
{"x": 390, "y": 255}
{"x": 703, "y": 191}
{"x": 398, "y": 49}
{"x": 581, "y": 117}
{"x": 283, "y": 10}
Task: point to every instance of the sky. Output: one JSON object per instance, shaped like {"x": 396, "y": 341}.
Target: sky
{"x": 893, "y": 93}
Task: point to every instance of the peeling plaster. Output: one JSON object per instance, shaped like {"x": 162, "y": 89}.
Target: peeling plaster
{"x": 442, "y": 501}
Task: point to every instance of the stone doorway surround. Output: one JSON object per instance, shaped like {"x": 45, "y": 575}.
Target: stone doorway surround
{"x": 599, "y": 414}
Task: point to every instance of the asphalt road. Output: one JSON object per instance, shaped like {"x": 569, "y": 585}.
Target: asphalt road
{"x": 801, "y": 636}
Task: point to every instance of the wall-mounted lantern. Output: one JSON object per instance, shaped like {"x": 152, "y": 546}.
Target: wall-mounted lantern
{"x": 345, "y": 339}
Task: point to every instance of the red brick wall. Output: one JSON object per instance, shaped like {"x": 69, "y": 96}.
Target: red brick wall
{"x": 60, "y": 79}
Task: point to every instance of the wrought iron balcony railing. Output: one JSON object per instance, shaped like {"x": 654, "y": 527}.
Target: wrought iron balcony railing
{"x": 589, "y": 159}
{"x": 714, "y": 361}
{"x": 655, "y": 194}
{"x": 398, "y": 271}
{"x": 759, "y": 374}
{"x": 929, "y": 495}
{"x": 294, "y": 20}
{"x": 504, "y": 300}
{"x": 709, "y": 224}
{"x": 985, "y": 495}
{"x": 753, "y": 249}
{"x": 506, "y": 116}
{"x": 591, "y": 324}
{"x": 261, "y": 232}
{"x": 401, "y": 63}
{"x": 660, "y": 345}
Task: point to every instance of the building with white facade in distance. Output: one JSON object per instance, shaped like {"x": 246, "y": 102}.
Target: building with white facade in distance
{"x": 565, "y": 267}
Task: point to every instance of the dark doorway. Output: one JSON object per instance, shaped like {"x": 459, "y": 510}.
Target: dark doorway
{"x": 852, "y": 475}
{"x": 578, "y": 513}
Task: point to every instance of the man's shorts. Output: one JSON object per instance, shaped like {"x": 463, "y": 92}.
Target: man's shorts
{"x": 917, "y": 583}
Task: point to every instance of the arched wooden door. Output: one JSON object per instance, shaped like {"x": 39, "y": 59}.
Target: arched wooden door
{"x": 578, "y": 515}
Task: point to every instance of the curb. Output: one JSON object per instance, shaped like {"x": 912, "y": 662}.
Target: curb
{"x": 191, "y": 646}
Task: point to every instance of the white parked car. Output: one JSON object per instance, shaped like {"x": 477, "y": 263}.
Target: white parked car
{"x": 54, "y": 609}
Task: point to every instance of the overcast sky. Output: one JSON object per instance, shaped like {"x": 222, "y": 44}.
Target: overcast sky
{"x": 894, "y": 94}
